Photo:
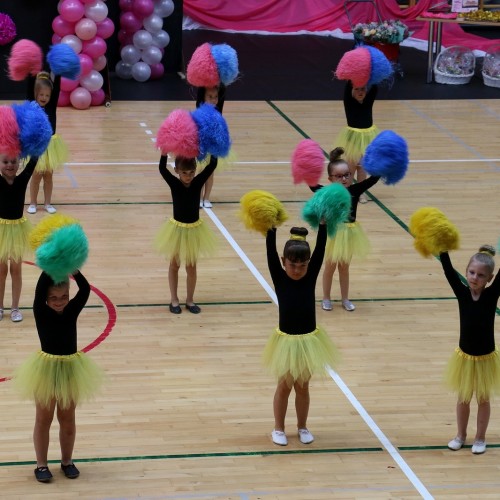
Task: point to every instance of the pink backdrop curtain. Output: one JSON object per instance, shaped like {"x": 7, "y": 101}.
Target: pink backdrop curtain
{"x": 289, "y": 16}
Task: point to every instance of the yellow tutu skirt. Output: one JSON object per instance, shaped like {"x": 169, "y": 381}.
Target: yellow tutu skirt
{"x": 354, "y": 141}
{"x": 298, "y": 357}
{"x": 67, "y": 379}
{"x": 467, "y": 375}
{"x": 350, "y": 241}
{"x": 223, "y": 163}
{"x": 55, "y": 156}
{"x": 185, "y": 242}
{"x": 14, "y": 239}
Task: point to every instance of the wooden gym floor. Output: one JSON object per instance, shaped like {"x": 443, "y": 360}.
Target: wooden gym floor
{"x": 186, "y": 410}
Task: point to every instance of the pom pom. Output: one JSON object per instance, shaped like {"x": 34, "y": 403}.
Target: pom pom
{"x": 261, "y": 211}
{"x": 308, "y": 162}
{"x": 50, "y": 223}
{"x": 433, "y": 232}
{"x": 213, "y": 134}
{"x": 387, "y": 156}
{"x": 202, "y": 69}
{"x": 226, "y": 59}
{"x": 35, "y": 130}
{"x": 178, "y": 135}
{"x": 9, "y": 132}
{"x": 332, "y": 204}
{"x": 355, "y": 65}
{"x": 25, "y": 59}
{"x": 381, "y": 67}
{"x": 64, "y": 252}
{"x": 7, "y": 29}
{"x": 64, "y": 61}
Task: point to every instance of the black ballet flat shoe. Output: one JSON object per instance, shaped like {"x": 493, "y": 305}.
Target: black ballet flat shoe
{"x": 70, "y": 471}
{"x": 175, "y": 309}
{"x": 43, "y": 474}
{"x": 193, "y": 309}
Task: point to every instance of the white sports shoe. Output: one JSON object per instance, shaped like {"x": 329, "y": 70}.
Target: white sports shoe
{"x": 326, "y": 305}
{"x": 305, "y": 436}
{"x": 348, "y": 305}
{"x": 455, "y": 444}
{"x": 207, "y": 204}
{"x": 31, "y": 209}
{"x": 16, "y": 316}
{"x": 279, "y": 437}
{"x": 50, "y": 209}
{"x": 478, "y": 447}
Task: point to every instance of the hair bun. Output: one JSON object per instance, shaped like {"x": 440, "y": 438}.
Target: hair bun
{"x": 487, "y": 249}
{"x": 336, "y": 154}
{"x": 299, "y": 233}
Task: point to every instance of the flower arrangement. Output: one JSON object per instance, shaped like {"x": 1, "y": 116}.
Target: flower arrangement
{"x": 390, "y": 31}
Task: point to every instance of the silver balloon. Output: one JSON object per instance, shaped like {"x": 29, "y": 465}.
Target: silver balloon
{"x": 141, "y": 71}
{"x": 153, "y": 23}
{"x": 151, "y": 55}
{"x": 161, "y": 39}
{"x": 97, "y": 11}
{"x": 142, "y": 39}
{"x": 164, "y": 7}
{"x": 92, "y": 81}
{"x": 130, "y": 54}
{"x": 123, "y": 70}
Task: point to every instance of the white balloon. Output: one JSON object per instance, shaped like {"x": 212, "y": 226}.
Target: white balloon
{"x": 123, "y": 70}
{"x": 164, "y": 7}
{"x": 141, "y": 71}
{"x": 151, "y": 55}
{"x": 142, "y": 39}
{"x": 97, "y": 11}
{"x": 153, "y": 23}
{"x": 161, "y": 39}
{"x": 73, "y": 41}
{"x": 130, "y": 54}
{"x": 92, "y": 81}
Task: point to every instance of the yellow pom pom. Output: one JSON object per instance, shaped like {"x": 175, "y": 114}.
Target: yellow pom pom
{"x": 261, "y": 210}
{"x": 433, "y": 232}
{"x": 46, "y": 226}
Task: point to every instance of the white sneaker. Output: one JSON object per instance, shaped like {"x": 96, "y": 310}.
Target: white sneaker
{"x": 201, "y": 203}
{"x": 478, "y": 447}
{"x": 326, "y": 305}
{"x": 50, "y": 209}
{"x": 305, "y": 436}
{"x": 279, "y": 437}
{"x": 455, "y": 444}
{"x": 348, "y": 305}
{"x": 31, "y": 209}
{"x": 207, "y": 204}
{"x": 363, "y": 198}
{"x": 16, "y": 316}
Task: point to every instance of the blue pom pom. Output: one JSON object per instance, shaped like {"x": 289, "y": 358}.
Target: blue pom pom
{"x": 65, "y": 251}
{"x": 213, "y": 134}
{"x": 64, "y": 61}
{"x": 35, "y": 130}
{"x": 227, "y": 62}
{"x": 381, "y": 67}
{"x": 331, "y": 203}
{"x": 387, "y": 156}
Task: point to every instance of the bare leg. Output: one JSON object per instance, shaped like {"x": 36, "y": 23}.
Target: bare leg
{"x": 302, "y": 401}
{"x": 173, "y": 281}
{"x": 16, "y": 273}
{"x": 67, "y": 433}
{"x": 34, "y": 187}
{"x": 344, "y": 280}
{"x": 4, "y": 270}
{"x": 280, "y": 404}
{"x": 41, "y": 432}
{"x": 328, "y": 278}
{"x": 483, "y": 419}
{"x": 48, "y": 185}
{"x": 208, "y": 187}
{"x": 360, "y": 173}
{"x": 190, "y": 284}
{"x": 463, "y": 412}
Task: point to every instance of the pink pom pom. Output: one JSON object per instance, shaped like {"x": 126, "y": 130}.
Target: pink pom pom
{"x": 202, "y": 69}
{"x": 355, "y": 65}
{"x": 308, "y": 162}
{"x": 178, "y": 135}
{"x": 25, "y": 59}
{"x": 9, "y": 132}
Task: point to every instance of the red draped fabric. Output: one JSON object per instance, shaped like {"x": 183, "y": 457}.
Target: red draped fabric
{"x": 290, "y": 16}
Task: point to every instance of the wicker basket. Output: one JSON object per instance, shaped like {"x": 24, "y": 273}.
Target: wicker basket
{"x": 451, "y": 79}
{"x": 491, "y": 81}
{"x": 454, "y": 58}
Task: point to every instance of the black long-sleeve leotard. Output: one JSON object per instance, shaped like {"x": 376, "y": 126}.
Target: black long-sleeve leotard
{"x": 12, "y": 195}
{"x": 186, "y": 199}
{"x": 359, "y": 114}
{"x": 57, "y": 331}
{"x": 296, "y": 298}
{"x": 51, "y": 107}
{"x": 477, "y": 317}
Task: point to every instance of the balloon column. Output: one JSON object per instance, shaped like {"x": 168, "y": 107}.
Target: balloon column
{"x": 142, "y": 38}
{"x": 84, "y": 25}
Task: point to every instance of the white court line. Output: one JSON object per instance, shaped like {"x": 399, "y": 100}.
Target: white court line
{"x": 415, "y": 481}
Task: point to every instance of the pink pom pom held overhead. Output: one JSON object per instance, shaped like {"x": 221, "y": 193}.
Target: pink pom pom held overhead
{"x": 355, "y": 65}
{"x": 308, "y": 162}
{"x": 26, "y": 58}
{"x": 178, "y": 135}
{"x": 202, "y": 69}
{"x": 9, "y": 132}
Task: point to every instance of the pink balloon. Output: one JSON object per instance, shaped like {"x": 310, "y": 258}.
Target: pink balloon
{"x": 68, "y": 85}
{"x": 86, "y": 29}
{"x": 80, "y": 98}
{"x": 98, "y": 97}
{"x": 95, "y": 47}
{"x": 71, "y": 10}
{"x": 56, "y": 39}
{"x": 63, "y": 99}
{"x": 105, "y": 28}
{"x": 87, "y": 1}
{"x": 126, "y": 5}
{"x": 129, "y": 22}
{"x": 62, "y": 27}
{"x": 157, "y": 71}
{"x": 86, "y": 64}
{"x": 125, "y": 38}
{"x": 143, "y": 8}
{"x": 100, "y": 63}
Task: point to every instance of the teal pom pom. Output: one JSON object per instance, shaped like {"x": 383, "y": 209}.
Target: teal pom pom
{"x": 381, "y": 67}
{"x": 332, "y": 204}
{"x": 35, "y": 130}
{"x": 65, "y": 251}
{"x": 227, "y": 62}
{"x": 387, "y": 156}
{"x": 64, "y": 61}
{"x": 213, "y": 134}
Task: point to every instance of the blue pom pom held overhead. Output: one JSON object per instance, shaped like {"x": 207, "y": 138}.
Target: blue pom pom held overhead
{"x": 226, "y": 59}
{"x": 387, "y": 156}
{"x": 381, "y": 67}
{"x": 213, "y": 134}
{"x": 64, "y": 61}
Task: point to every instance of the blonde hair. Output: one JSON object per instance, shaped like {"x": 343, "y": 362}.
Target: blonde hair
{"x": 485, "y": 256}
{"x": 43, "y": 81}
